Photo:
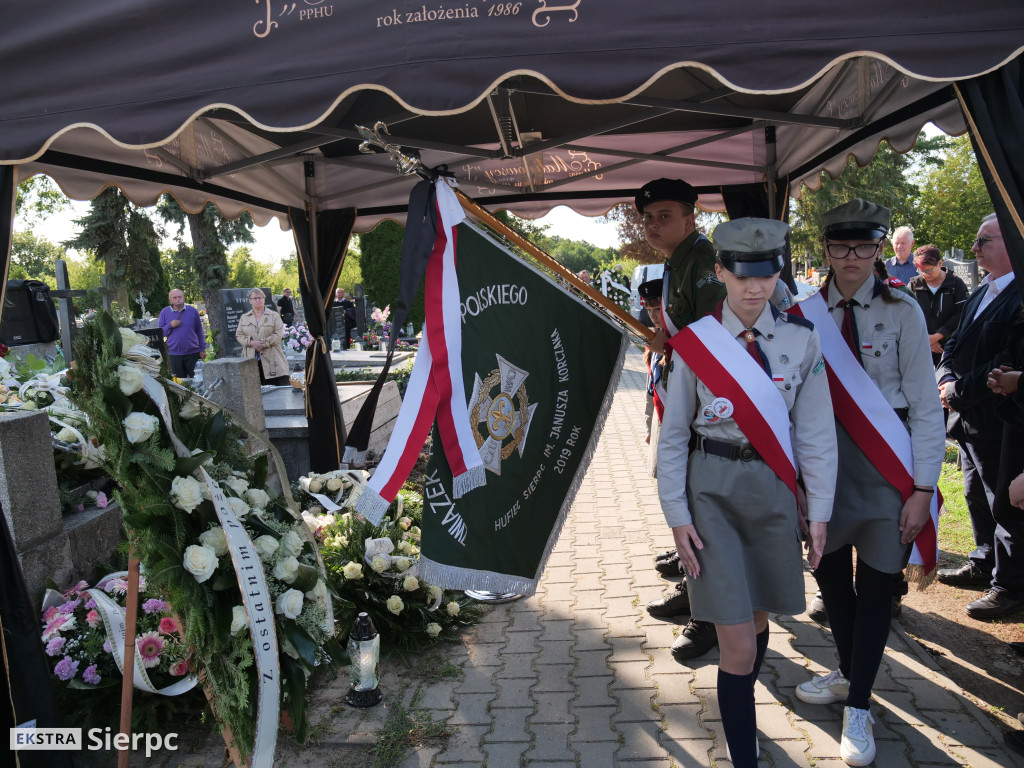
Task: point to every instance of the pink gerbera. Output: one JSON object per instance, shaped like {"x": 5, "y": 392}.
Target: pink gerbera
{"x": 50, "y": 613}
{"x": 57, "y": 624}
{"x": 150, "y": 646}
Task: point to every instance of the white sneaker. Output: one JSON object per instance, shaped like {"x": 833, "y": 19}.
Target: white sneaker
{"x": 857, "y": 746}
{"x": 824, "y": 689}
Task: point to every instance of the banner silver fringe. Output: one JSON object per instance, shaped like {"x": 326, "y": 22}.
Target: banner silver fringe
{"x": 453, "y": 577}
{"x": 474, "y": 477}
{"x": 353, "y": 455}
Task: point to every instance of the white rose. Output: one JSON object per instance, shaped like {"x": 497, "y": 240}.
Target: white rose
{"x": 67, "y": 435}
{"x": 311, "y": 522}
{"x": 239, "y": 619}
{"x": 334, "y": 484}
{"x": 267, "y": 547}
{"x": 433, "y": 629}
{"x": 215, "y": 540}
{"x": 452, "y": 608}
{"x": 316, "y": 485}
{"x": 410, "y": 584}
{"x": 402, "y": 564}
{"x": 289, "y": 604}
{"x": 201, "y": 562}
{"x": 352, "y": 571}
{"x": 129, "y": 338}
{"x": 380, "y": 563}
{"x": 129, "y": 379}
{"x": 318, "y": 594}
{"x": 405, "y": 547}
{"x": 239, "y": 507}
{"x": 395, "y": 604}
{"x": 434, "y": 593}
{"x": 186, "y": 493}
{"x": 325, "y": 520}
{"x": 286, "y": 570}
{"x": 405, "y": 523}
{"x": 257, "y": 498}
{"x": 237, "y": 485}
{"x": 138, "y": 427}
{"x": 291, "y": 543}
{"x": 189, "y": 409}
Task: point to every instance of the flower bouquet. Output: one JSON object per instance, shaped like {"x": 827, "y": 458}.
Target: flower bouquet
{"x": 296, "y": 338}
{"x": 608, "y": 279}
{"x": 375, "y": 568}
{"x": 203, "y": 518}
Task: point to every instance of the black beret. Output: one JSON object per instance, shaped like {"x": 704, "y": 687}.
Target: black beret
{"x": 665, "y": 189}
{"x": 650, "y": 289}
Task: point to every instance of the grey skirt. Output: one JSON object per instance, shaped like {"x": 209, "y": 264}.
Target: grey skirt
{"x": 752, "y": 560}
{"x": 866, "y": 512}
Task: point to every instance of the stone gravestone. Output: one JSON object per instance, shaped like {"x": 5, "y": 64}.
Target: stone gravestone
{"x": 234, "y": 302}
{"x": 337, "y": 330}
{"x": 966, "y": 270}
{"x": 360, "y": 301}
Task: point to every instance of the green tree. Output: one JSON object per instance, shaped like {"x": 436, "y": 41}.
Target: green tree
{"x": 351, "y": 270}
{"x": 286, "y": 275}
{"x": 38, "y": 198}
{"x": 125, "y": 239}
{"x": 953, "y": 199}
{"x": 211, "y": 234}
{"x": 630, "y": 227}
{"x": 381, "y": 250}
{"x": 179, "y": 268}
{"x": 33, "y": 257}
{"x": 86, "y": 274}
{"x": 247, "y": 271}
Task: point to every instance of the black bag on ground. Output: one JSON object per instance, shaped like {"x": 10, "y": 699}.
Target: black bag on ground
{"x": 29, "y": 316}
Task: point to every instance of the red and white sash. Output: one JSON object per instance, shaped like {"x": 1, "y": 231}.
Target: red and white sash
{"x": 436, "y": 384}
{"x": 870, "y": 420}
{"x": 728, "y": 370}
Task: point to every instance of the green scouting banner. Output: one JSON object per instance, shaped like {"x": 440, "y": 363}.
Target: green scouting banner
{"x": 540, "y": 367}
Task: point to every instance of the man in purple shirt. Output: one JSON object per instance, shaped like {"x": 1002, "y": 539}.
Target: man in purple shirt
{"x": 183, "y": 329}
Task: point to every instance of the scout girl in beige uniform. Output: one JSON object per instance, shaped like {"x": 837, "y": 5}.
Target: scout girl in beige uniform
{"x": 750, "y": 382}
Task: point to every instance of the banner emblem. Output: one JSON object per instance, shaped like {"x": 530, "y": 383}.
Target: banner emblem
{"x": 499, "y": 415}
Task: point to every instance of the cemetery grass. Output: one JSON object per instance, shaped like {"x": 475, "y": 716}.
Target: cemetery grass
{"x": 972, "y": 653}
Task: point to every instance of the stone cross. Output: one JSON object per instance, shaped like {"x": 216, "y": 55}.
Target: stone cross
{"x": 143, "y": 301}
{"x": 65, "y": 308}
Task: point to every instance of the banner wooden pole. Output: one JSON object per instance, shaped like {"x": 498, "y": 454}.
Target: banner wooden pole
{"x": 624, "y": 318}
{"x": 128, "y": 673}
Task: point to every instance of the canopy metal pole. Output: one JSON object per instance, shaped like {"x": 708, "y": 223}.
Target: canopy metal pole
{"x": 609, "y": 306}
{"x": 773, "y": 171}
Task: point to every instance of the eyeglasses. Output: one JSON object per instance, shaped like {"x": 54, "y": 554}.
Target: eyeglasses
{"x": 257, "y": 298}
{"x": 862, "y": 251}
{"x": 981, "y": 242}
{"x": 927, "y": 271}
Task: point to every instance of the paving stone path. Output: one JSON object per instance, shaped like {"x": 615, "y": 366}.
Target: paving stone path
{"x": 579, "y": 676}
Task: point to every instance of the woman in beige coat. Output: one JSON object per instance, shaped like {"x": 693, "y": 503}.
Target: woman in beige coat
{"x": 259, "y": 332}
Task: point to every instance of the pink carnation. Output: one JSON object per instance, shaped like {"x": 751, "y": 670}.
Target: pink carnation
{"x": 53, "y": 647}
{"x": 66, "y": 668}
{"x": 69, "y": 607}
{"x": 101, "y": 502}
{"x": 154, "y": 605}
{"x": 91, "y": 676}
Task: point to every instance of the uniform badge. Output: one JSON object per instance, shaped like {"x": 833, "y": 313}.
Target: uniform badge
{"x": 709, "y": 415}
{"x": 784, "y": 359}
{"x": 879, "y": 327}
{"x": 722, "y": 407}
{"x": 819, "y": 367}
{"x": 708, "y": 279}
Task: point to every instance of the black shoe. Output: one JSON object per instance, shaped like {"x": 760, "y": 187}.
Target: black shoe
{"x": 899, "y": 589}
{"x": 1015, "y": 741}
{"x": 993, "y": 604}
{"x": 696, "y": 639}
{"x": 669, "y": 566}
{"x": 816, "y": 611}
{"x": 675, "y": 603}
{"x": 668, "y": 554}
{"x": 967, "y": 575}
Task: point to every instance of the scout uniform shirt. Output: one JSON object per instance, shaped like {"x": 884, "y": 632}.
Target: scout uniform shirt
{"x": 895, "y": 353}
{"x": 693, "y": 288}
{"x": 793, "y": 352}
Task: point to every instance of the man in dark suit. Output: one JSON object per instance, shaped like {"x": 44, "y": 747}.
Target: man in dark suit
{"x": 967, "y": 358}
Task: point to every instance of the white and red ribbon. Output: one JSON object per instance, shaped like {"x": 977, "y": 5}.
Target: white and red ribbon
{"x": 728, "y": 370}
{"x": 871, "y": 421}
{"x": 436, "y": 386}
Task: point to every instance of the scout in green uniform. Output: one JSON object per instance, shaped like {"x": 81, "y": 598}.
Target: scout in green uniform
{"x": 692, "y": 290}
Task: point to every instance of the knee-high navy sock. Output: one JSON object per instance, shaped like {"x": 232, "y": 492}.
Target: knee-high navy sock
{"x": 762, "y": 649}
{"x": 874, "y": 618}
{"x": 834, "y": 575}
{"x": 739, "y": 721}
